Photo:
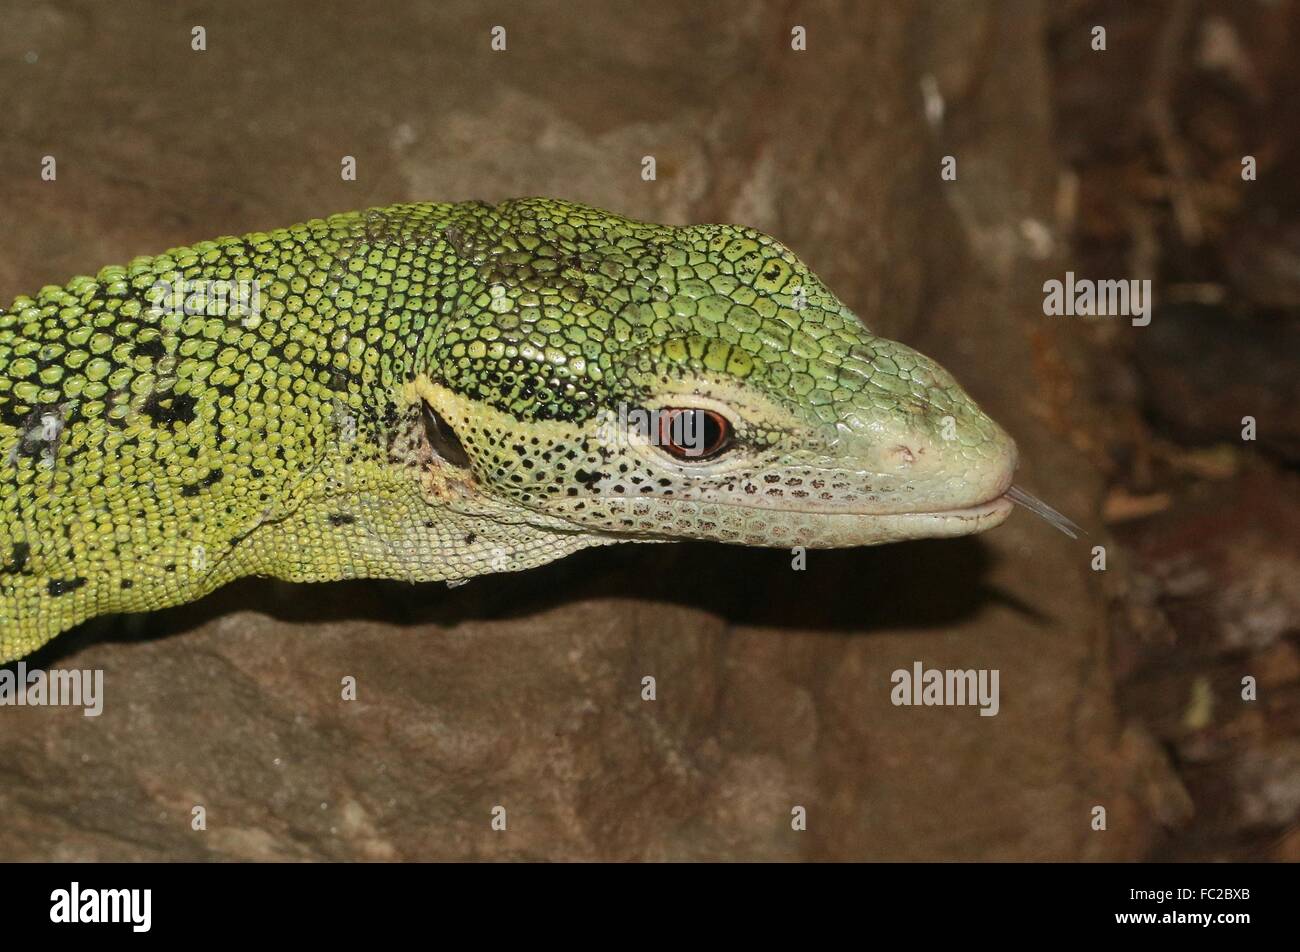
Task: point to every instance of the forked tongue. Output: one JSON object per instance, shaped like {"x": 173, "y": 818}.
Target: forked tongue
{"x": 1042, "y": 509}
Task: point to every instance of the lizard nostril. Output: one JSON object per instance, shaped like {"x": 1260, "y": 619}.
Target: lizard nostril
{"x": 905, "y": 455}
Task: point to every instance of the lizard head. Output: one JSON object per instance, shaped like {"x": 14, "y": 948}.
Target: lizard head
{"x": 611, "y": 377}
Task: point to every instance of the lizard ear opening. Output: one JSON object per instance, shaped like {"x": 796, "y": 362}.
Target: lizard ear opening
{"x": 442, "y": 438}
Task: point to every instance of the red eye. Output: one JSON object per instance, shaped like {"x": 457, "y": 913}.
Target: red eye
{"x": 693, "y": 435}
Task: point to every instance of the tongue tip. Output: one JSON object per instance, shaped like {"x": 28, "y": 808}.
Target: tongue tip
{"x": 1044, "y": 512}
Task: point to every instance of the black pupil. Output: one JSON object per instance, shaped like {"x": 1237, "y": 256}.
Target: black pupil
{"x": 712, "y": 431}
{"x": 696, "y": 434}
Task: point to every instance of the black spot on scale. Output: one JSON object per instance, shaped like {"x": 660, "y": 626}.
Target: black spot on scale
{"x": 151, "y": 348}
{"x": 12, "y": 414}
{"x": 341, "y": 519}
{"x": 193, "y": 489}
{"x": 588, "y": 479}
{"x": 61, "y": 586}
{"x": 166, "y": 409}
{"x": 17, "y": 561}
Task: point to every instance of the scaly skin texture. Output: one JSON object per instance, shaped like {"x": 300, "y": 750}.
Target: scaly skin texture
{"x": 438, "y": 391}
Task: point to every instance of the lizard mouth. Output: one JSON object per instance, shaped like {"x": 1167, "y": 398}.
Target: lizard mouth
{"x": 994, "y": 511}
{"x": 945, "y": 522}
{"x": 997, "y": 505}
{"x": 845, "y": 528}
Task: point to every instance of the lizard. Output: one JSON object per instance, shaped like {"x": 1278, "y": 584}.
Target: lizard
{"x": 437, "y": 391}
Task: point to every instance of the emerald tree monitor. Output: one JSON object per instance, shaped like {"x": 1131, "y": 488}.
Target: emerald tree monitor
{"x": 438, "y": 391}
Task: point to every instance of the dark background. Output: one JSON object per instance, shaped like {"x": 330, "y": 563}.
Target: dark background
{"x": 1118, "y": 688}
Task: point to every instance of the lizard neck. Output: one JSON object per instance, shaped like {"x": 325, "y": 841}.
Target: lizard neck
{"x": 157, "y": 418}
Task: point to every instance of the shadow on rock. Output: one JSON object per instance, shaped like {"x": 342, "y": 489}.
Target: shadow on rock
{"x": 907, "y": 586}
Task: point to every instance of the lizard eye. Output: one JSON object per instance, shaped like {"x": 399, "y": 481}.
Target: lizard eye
{"x": 442, "y": 438}
{"x": 693, "y": 435}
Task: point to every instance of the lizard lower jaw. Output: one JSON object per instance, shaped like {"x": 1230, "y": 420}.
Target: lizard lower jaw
{"x": 843, "y": 529}
{"x": 993, "y": 512}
